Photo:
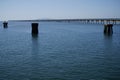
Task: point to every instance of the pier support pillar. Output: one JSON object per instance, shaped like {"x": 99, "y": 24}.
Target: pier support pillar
{"x": 108, "y": 29}
{"x": 5, "y": 24}
{"x": 34, "y": 28}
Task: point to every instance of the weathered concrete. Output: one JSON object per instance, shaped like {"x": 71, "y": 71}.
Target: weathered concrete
{"x": 108, "y": 29}
{"x": 35, "y": 28}
{"x": 5, "y": 24}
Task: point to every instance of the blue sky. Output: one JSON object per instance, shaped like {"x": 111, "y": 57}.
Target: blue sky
{"x": 54, "y": 9}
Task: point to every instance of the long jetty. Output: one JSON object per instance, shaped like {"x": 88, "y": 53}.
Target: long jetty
{"x": 85, "y": 21}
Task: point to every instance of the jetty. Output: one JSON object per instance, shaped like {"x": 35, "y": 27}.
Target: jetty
{"x": 84, "y": 21}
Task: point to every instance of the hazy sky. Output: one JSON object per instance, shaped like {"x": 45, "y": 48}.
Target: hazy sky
{"x": 47, "y": 9}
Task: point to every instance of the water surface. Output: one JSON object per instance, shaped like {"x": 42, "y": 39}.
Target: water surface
{"x": 61, "y": 51}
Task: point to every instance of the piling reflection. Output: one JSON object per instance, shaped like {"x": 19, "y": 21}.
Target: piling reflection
{"x": 108, "y": 42}
{"x": 35, "y": 49}
{"x": 108, "y": 35}
{"x": 35, "y": 45}
{"x": 107, "y": 53}
{"x": 34, "y": 60}
{"x": 34, "y": 36}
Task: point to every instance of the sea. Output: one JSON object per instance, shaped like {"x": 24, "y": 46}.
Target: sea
{"x": 61, "y": 51}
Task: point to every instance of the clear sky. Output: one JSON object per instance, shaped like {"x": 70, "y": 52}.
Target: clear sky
{"x": 54, "y": 9}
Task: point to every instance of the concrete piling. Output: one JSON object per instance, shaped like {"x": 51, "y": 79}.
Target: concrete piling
{"x": 35, "y": 28}
{"x": 5, "y": 24}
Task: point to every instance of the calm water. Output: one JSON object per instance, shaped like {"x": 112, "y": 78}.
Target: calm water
{"x": 62, "y": 51}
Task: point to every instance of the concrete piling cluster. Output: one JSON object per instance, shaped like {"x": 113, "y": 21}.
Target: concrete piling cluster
{"x": 108, "y": 29}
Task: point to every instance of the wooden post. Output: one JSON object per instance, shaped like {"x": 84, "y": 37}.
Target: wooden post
{"x": 5, "y": 24}
{"x": 34, "y": 28}
{"x": 108, "y": 29}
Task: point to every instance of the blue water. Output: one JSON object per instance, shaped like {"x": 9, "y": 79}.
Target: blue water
{"x": 62, "y": 51}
